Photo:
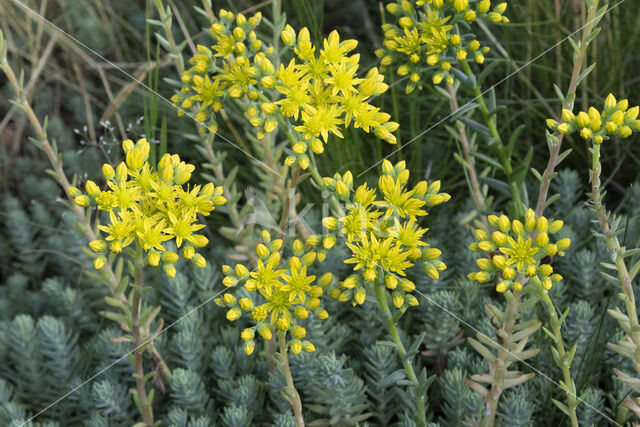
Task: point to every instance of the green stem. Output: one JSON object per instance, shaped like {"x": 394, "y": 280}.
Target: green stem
{"x": 500, "y": 365}
{"x": 500, "y": 148}
{"x": 381, "y": 295}
{"x": 570, "y": 97}
{"x": 476, "y": 191}
{"x": 569, "y": 386}
{"x": 145, "y": 405}
{"x": 290, "y": 389}
{"x": 611, "y": 239}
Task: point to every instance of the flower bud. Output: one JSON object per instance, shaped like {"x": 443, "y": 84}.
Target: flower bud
{"x": 99, "y": 262}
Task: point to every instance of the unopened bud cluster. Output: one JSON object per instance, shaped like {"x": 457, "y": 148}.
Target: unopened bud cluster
{"x": 615, "y": 119}
{"x": 427, "y": 37}
{"x": 515, "y": 250}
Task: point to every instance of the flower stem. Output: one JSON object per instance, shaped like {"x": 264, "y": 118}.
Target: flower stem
{"x": 292, "y": 393}
{"x": 145, "y": 405}
{"x": 505, "y": 334}
{"x": 56, "y": 163}
{"x": 500, "y": 149}
{"x": 611, "y": 239}
{"x": 569, "y": 386}
{"x": 381, "y": 295}
{"x": 476, "y": 192}
{"x": 570, "y": 97}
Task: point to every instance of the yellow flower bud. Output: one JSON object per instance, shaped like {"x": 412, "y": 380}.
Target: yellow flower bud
{"x": 262, "y": 251}
{"x": 369, "y": 275}
{"x": 502, "y": 286}
{"x": 295, "y": 346}
{"x": 469, "y": 16}
{"x": 484, "y": 263}
{"x": 325, "y": 279}
{"x": 116, "y": 246}
{"x": 246, "y": 304}
{"x": 431, "y": 253}
{"x": 499, "y": 237}
{"x": 563, "y": 244}
{"x": 504, "y": 224}
{"x": 98, "y": 245}
{"x": 483, "y": 6}
{"x": 586, "y": 133}
{"x": 298, "y": 332}
{"x": 249, "y": 347}
{"x": 199, "y": 261}
{"x": 482, "y": 276}
{"x": 153, "y": 258}
{"x": 542, "y": 239}
{"x": 564, "y": 128}
{"x": 547, "y": 284}
{"x": 316, "y": 146}
{"x": 301, "y": 313}
{"x": 360, "y": 295}
{"x": 405, "y": 22}
{"x": 99, "y": 262}
{"x": 169, "y": 257}
{"x": 499, "y": 261}
{"x": 308, "y": 347}
{"x": 610, "y": 102}
{"x": 460, "y": 5}
{"x": 322, "y": 314}
{"x": 398, "y": 300}
{"x": 82, "y": 200}
{"x": 169, "y": 270}
{"x": 288, "y": 35}
{"x": 283, "y": 323}
{"x": 494, "y": 17}
{"x": 517, "y": 286}
{"x": 508, "y": 273}
{"x": 583, "y": 119}
{"x": 247, "y": 334}
{"x": 530, "y": 270}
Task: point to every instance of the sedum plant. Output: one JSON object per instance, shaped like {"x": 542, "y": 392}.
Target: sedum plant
{"x": 290, "y": 352}
{"x": 147, "y": 207}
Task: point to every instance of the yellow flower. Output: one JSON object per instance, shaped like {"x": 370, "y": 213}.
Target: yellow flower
{"x": 321, "y": 83}
{"x": 423, "y": 31}
{"x": 286, "y": 295}
{"x": 150, "y": 206}
{"x": 383, "y": 234}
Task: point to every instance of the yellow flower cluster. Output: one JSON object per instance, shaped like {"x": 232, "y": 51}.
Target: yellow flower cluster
{"x": 426, "y": 37}
{"x": 150, "y": 206}
{"x": 279, "y": 298}
{"x": 383, "y": 233}
{"x": 616, "y": 119}
{"x": 515, "y": 251}
{"x": 317, "y": 93}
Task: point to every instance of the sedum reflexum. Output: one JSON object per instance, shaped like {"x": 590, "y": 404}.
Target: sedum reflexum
{"x": 279, "y": 301}
{"x": 432, "y": 37}
{"x": 615, "y": 120}
{"x": 318, "y": 92}
{"x": 516, "y": 254}
{"x": 384, "y": 236}
{"x": 149, "y": 206}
